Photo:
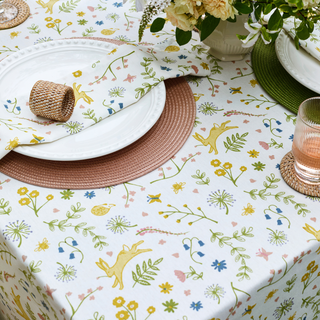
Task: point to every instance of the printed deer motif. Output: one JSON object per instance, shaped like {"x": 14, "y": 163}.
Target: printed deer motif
{"x": 313, "y": 231}
{"x": 215, "y": 132}
{"x": 124, "y": 256}
{"x": 47, "y": 5}
{"x": 80, "y": 94}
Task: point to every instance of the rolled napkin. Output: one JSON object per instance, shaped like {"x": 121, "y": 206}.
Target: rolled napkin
{"x": 52, "y": 100}
{"x": 103, "y": 87}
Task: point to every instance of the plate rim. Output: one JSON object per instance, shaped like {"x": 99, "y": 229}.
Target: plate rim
{"x": 158, "y": 100}
{"x": 280, "y": 43}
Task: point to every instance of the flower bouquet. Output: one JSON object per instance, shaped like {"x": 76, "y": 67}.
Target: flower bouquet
{"x": 205, "y": 15}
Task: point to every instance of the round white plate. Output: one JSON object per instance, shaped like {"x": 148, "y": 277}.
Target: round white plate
{"x": 50, "y": 61}
{"x": 298, "y": 63}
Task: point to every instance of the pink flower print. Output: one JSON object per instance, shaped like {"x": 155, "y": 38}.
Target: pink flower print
{"x": 239, "y": 304}
{"x": 302, "y": 254}
{"x": 300, "y": 261}
{"x": 131, "y": 199}
{"x": 125, "y": 60}
{"x": 160, "y": 174}
{"x": 7, "y": 180}
{"x": 198, "y": 153}
{"x": 130, "y": 78}
{"x": 96, "y": 77}
{"x": 49, "y": 291}
{"x": 184, "y": 159}
{"x": 69, "y": 294}
{"x": 162, "y": 242}
{"x": 143, "y": 188}
{"x": 89, "y": 290}
{"x": 118, "y": 68}
{"x": 126, "y": 206}
{"x": 63, "y": 310}
{"x": 114, "y": 79}
{"x": 104, "y": 78}
{"x": 81, "y": 296}
{"x": 90, "y": 84}
{"x": 279, "y": 271}
{"x": 225, "y": 83}
{"x": 180, "y": 275}
{"x": 187, "y": 292}
{"x": 132, "y": 193}
{"x": 264, "y": 145}
{"x": 195, "y": 68}
{"x": 100, "y": 288}
{"x": 193, "y": 160}
{"x": 90, "y": 8}
{"x": 125, "y": 66}
{"x": 98, "y": 82}
{"x": 272, "y": 271}
{"x": 285, "y": 255}
{"x": 270, "y": 280}
{"x": 124, "y": 197}
{"x": 168, "y": 168}
{"x": 92, "y": 298}
{"x": 246, "y": 121}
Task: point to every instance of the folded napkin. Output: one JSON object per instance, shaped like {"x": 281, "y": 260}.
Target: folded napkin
{"x": 311, "y": 45}
{"x": 101, "y": 89}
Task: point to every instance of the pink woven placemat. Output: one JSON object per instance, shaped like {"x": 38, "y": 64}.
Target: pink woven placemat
{"x": 148, "y": 153}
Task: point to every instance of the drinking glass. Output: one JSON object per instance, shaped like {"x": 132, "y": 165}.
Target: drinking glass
{"x": 306, "y": 141}
{"x": 8, "y": 11}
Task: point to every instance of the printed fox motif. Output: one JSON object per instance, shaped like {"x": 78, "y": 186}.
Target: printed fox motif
{"x": 313, "y": 231}
{"x": 215, "y": 132}
{"x": 47, "y": 5}
{"x": 124, "y": 256}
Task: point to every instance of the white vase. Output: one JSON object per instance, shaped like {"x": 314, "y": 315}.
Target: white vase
{"x": 224, "y": 43}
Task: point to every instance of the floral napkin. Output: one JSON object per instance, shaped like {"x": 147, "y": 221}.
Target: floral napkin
{"x": 311, "y": 45}
{"x": 101, "y": 89}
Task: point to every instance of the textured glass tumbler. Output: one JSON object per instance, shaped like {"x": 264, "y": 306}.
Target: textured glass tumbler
{"x": 306, "y": 141}
{"x": 7, "y": 11}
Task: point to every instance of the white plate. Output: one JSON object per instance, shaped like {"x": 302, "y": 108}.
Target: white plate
{"x": 298, "y": 63}
{"x": 50, "y": 61}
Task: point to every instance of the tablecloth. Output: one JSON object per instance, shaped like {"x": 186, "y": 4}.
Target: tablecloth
{"x": 215, "y": 233}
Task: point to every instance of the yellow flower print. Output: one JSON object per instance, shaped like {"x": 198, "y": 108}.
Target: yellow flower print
{"x": 118, "y": 302}
{"x": 310, "y": 265}
{"x": 227, "y": 165}
{"x": 293, "y": 316}
{"x": 50, "y": 25}
{"x": 24, "y": 201}
{"x": 42, "y": 246}
{"x": 151, "y": 310}
{"x": 172, "y": 49}
{"x": 270, "y": 295}
{"x": 220, "y": 172}
{"x": 177, "y": 187}
{"x": 57, "y": 21}
{"x": 14, "y": 34}
{"x": 215, "y": 163}
{"x": 314, "y": 269}
{"x": 49, "y": 197}
{"x": 112, "y": 52}
{"x": 48, "y": 19}
{"x": 253, "y": 83}
{"x": 34, "y": 194}
{"x": 243, "y": 168}
{"x": 122, "y": 315}
{"x": 166, "y": 216}
{"x": 197, "y": 96}
{"x": 204, "y": 66}
{"x": 253, "y": 153}
{"x": 12, "y": 144}
{"x": 132, "y": 305}
{"x": 22, "y": 191}
{"x": 248, "y": 210}
{"x": 80, "y": 14}
{"x": 305, "y": 277}
{"x": 166, "y": 287}
{"x": 77, "y": 74}
{"x": 152, "y": 199}
{"x": 69, "y": 23}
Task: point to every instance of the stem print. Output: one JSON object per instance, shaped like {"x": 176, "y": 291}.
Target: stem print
{"x": 5, "y": 253}
{"x": 189, "y": 247}
{"x": 237, "y": 113}
{"x": 259, "y": 101}
{"x": 314, "y": 303}
{"x": 12, "y": 126}
{"x": 145, "y": 230}
{"x": 144, "y": 276}
{"x": 63, "y": 224}
{"x": 237, "y": 303}
{"x": 310, "y": 275}
{"x": 236, "y": 142}
{"x": 271, "y": 183}
{"x": 4, "y": 209}
{"x": 240, "y": 256}
{"x": 186, "y": 214}
{"x": 16, "y": 110}
{"x": 268, "y": 123}
{"x": 240, "y": 73}
{"x": 192, "y": 273}
{"x": 73, "y": 246}
{"x": 221, "y": 199}
{"x": 274, "y": 209}
{"x": 17, "y": 231}
{"x": 201, "y": 176}
{"x": 179, "y": 169}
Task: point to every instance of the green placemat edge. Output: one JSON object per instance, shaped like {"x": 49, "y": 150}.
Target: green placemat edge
{"x": 275, "y": 80}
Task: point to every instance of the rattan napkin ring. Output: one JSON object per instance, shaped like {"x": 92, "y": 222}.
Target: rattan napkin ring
{"x": 51, "y": 100}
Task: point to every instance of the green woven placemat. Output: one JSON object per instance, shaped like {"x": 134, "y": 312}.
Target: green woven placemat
{"x": 275, "y": 80}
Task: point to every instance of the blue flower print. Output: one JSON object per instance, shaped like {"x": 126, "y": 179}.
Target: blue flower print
{"x": 267, "y": 216}
{"x": 200, "y": 243}
{"x": 117, "y": 4}
{"x": 266, "y": 125}
{"x": 278, "y": 166}
{"x": 279, "y": 210}
{"x": 74, "y": 243}
{"x": 9, "y": 101}
{"x": 60, "y": 249}
{"x": 18, "y": 108}
{"x": 291, "y": 137}
{"x": 200, "y": 254}
{"x": 196, "y": 306}
{"x": 186, "y": 247}
{"x": 182, "y": 56}
{"x": 5, "y": 106}
{"x": 165, "y": 68}
{"x": 279, "y": 130}
{"x": 279, "y": 222}
{"x": 278, "y": 122}
{"x": 219, "y": 265}
{"x": 71, "y": 256}
{"x": 89, "y": 195}
{"x": 99, "y": 23}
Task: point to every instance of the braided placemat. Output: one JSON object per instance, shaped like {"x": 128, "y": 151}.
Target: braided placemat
{"x": 292, "y": 180}
{"x": 275, "y": 80}
{"x": 23, "y": 14}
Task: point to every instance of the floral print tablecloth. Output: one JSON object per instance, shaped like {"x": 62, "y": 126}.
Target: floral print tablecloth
{"x": 215, "y": 233}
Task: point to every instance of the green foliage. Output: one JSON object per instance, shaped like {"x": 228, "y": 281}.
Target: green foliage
{"x": 4, "y": 209}
{"x": 33, "y": 267}
{"x": 183, "y": 37}
{"x": 201, "y": 177}
{"x": 68, "y": 6}
{"x": 236, "y": 142}
{"x": 146, "y": 273}
{"x": 157, "y": 25}
{"x": 89, "y": 114}
{"x": 208, "y": 26}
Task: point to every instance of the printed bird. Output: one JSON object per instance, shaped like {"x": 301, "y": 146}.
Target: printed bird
{"x": 101, "y": 210}
{"x": 108, "y": 32}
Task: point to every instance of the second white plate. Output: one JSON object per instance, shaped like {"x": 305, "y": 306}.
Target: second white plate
{"x": 298, "y": 63}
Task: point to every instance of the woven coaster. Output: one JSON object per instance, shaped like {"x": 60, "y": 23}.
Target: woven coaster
{"x": 23, "y": 14}
{"x": 292, "y": 180}
{"x": 148, "y": 153}
{"x": 275, "y": 80}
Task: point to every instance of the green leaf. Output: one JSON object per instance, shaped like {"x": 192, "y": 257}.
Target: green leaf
{"x": 144, "y": 283}
{"x": 242, "y": 8}
{"x": 138, "y": 270}
{"x": 183, "y": 37}
{"x": 158, "y": 261}
{"x": 134, "y": 277}
{"x": 157, "y": 25}
{"x": 303, "y": 31}
{"x": 267, "y": 9}
{"x": 208, "y": 26}
{"x": 144, "y": 266}
{"x": 275, "y": 21}
{"x": 145, "y": 277}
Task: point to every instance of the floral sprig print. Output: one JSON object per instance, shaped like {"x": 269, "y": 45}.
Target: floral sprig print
{"x": 189, "y": 274}
{"x": 290, "y": 117}
{"x": 119, "y": 225}
{"x": 268, "y": 123}
{"x": 237, "y": 251}
{"x": 5, "y": 253}
{"x": 271, "y": 183}
{"x": 311, "y": 275}
{"x": 32, "y": 198}
{"x": 65, "y": 273}
{"x": 72, "y": 127}
{"x": 236, "y": 142}
{"x": 241, "y": 74}
{"x": 144, "y": 275}
{"x": 4, "y": 209}
{"x": 189, "y": 247}
{"x": 202, "y": 177}
{"x": 272, "y": 280}
{"x": 272, "y": 208}
{"x": 215, "y": 292}
{"x": 82, "y": 226}
{"x": 170, "y": 306}
{"x": 16, "y": 110}
{"x": 237, "y": 113}
{"x": 284, "y": 308}
{"x": 185, "y": 214}
{"x": 237, "y": 303}
{"x": 314, "y": 302}
{"x": 226, "y": 169}
{"x": 271, "y": 144}
{"x": 277, "y": 238}
{"x": 119, "y": 302}
{"x": 72, "y": 245}
{"x": 146, "y": 230}
{"x": 259, "y": 166}
{"x": 221, "y": 200}
{"x": 259, "y": 101}
{"x": 67, "y": 194}
{"x": 55, "y": 24}
{"x": 7, "y": 49}
{"x": 208, "y": 108}
{"x": 11, "y": 126}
